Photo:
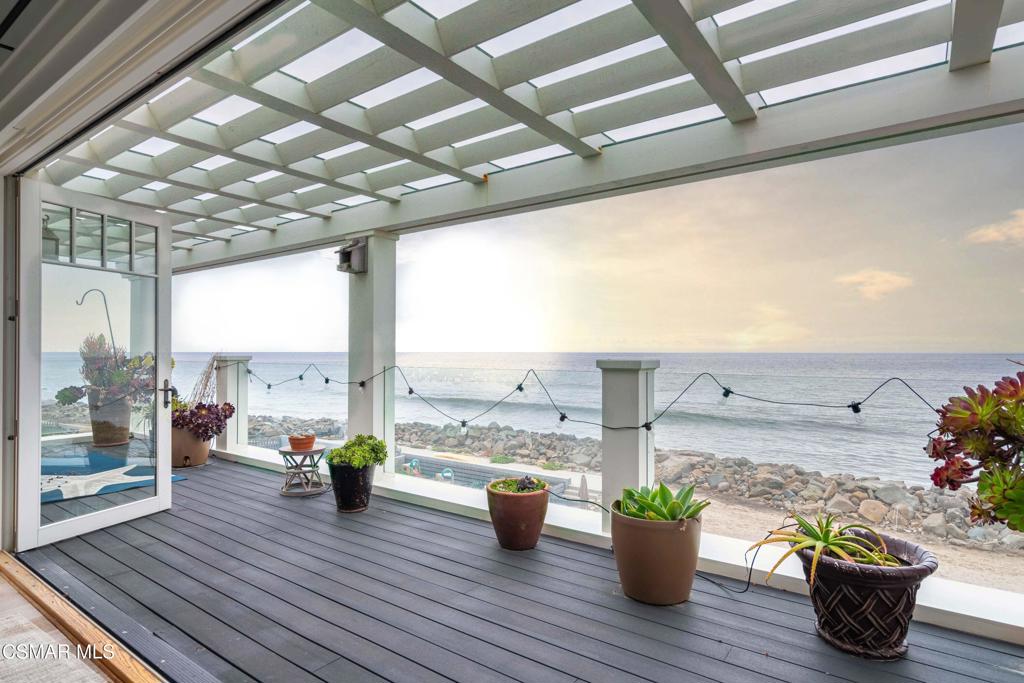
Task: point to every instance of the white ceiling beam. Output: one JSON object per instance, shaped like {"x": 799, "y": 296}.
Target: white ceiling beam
{"x": 692, "y": 44}
{"x": 923, "y": 104}
{"x": 93, "y": 161}
{"x": 303, "y": 112}
{"x": 417, "y": 37}
{"x": 974, "y": 32}
{"x": 136, "y": 122}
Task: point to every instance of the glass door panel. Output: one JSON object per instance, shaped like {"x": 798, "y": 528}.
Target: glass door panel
{"x": 93, "y": 444}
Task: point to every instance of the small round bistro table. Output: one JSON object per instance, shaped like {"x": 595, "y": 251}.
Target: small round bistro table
{"x": 302, "y": 472}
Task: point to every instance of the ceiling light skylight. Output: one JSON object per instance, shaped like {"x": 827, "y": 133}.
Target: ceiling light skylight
{"x": 290, "y": 132}
{"x": 445, "y": 114}
{"x": 346, "y": 48}
{"x": 154, "y": 147}
{"x": 227, "y": 110}
{"x": 213, "y": 162}
{"x": 100, "y": 173}
{"x": 345, "y": 149}
{"x": 271, "y": 25}
{"x": 534, "y": 155}
{"x": 170, "y": 90}
{"x": 396, "y": 88}
{"x": 549, "y": 24}
{"x": 266, "y": 175}
{"x": 594, "y": 63}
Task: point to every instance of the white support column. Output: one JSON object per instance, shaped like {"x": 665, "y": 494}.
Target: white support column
{"x": 627, "y": 399}
{"x": 233, "y": 388}
{"x": 371, "y": 344}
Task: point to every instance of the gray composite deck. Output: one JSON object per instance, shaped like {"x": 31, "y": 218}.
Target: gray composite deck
{"x": 237, "y": 583}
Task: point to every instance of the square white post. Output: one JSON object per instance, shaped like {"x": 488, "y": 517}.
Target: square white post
{"x": 627, "y": 399}
{"x": 233, "y": 388}
{"x": 371, "y": 344}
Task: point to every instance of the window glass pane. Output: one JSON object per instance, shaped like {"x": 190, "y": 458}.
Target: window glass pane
{"x": 56, "y": 232}
{"x": 145, "y": 249}
{"x": 118, "y": 237}
{"x": 88, "y": 238}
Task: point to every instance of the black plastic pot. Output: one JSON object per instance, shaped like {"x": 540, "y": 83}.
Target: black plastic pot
{"x": 352, "y": 487}
{"x": 866, "y": 610}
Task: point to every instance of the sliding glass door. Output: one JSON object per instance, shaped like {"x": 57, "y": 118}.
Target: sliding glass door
{"x": 93, "y": 363}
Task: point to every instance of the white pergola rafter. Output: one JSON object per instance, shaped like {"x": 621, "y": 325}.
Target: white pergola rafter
{"x": 135, "y": 123}
{"x": 414, "y": 33}
{"x": 974, "y": 32}
{"x": 92, "y": 160}
{"x": 300, "y": 108}
{"x": 694, "y": 46}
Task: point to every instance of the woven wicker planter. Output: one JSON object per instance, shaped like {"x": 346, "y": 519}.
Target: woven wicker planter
{"x": 866, "y": 610}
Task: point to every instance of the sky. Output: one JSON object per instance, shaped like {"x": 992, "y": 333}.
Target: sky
{"x": 914, "y": 248}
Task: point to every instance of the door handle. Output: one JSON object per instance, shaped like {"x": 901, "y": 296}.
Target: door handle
{"x": 169, "y": 392}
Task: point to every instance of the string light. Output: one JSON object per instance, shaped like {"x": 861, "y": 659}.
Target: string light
{"x": 854, "y": 406}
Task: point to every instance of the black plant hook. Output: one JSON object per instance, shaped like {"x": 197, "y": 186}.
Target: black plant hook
{"x": 106, "y": 308}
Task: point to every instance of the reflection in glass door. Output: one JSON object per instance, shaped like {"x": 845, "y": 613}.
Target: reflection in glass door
{"x": 94, "y": 446}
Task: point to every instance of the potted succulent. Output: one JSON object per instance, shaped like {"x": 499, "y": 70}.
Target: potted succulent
{"x": 193, "y": 427}
{"x": 114, "y": 383}
{"x": 981, "y": 440}
{"x": 517, "y": 506}
{"x": 863, "y": 584}
{"x": 352, "y": 467}
{"x": 656, "y": 540}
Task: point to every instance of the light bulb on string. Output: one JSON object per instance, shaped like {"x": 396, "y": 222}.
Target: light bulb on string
{"x": 362, "y": 385}
{"x": 858, "y": 415}
{"x": 726, "y": 393}
{"x": 463, "y": 427}
{"x": 562, "y": 417}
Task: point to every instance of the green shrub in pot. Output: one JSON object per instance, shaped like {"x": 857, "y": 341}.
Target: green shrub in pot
{"x": 352, "y": 467}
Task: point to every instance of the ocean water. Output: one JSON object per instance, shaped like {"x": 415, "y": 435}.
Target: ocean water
{"x": 886, "y": 439}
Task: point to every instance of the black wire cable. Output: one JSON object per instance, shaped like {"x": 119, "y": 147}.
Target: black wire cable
{"x": 854, "y": 406}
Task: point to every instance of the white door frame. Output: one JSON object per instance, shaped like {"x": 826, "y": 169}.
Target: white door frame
{"x": 29, "y": 532}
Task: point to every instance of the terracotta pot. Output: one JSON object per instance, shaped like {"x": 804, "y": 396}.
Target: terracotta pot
{"x": 302, "y": 443}
{"x": 187, "y": 450}
{"x": 517, "y": 517}
{"x": 866, "y": 610}
{"x": 352, "y": 487}
{"x": 656, "y": 560}
{"x": 111, "y": 419}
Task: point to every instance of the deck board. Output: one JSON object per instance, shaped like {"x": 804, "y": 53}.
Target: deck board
{"x": 251, "y": 585}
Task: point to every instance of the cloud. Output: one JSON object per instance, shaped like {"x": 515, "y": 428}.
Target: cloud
{"x": 874, "y": 284}
{"x": 1011, "y": 230}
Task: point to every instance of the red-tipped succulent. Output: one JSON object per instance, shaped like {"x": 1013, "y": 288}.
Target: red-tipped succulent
{"x": 981, "y": 440}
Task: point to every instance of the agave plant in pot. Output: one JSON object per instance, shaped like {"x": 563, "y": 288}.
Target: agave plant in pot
{"x": 863, "y": 584}
{"x": 113, "y": 384}
{"x": 352, "y": 466}
{"x": 656, "y": 540}
{"x": 517, "y": 507}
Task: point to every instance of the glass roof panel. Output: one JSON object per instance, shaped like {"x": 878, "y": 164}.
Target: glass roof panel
{"x": 100, "y": 173}
{"x": 445, "y": 114}
{"x": 344, "y": 149}
{"x": 293, "y": 215}
{"x": 154, "y": 146}
{"x": 659, "y": 125}
{"x": 384, "y": 167}
{"x": 213, "y": 162}
{"x": 204, "y": 196}
{"x": 267, "y": 175}
{"x": 493, "y": 134}
{"x": 271, "y": 25}
{"x": 909, "y": 61}
{"x": 289, "y": 132}
{"x": 748, "y": 9}
{"x": 843, "y": 30}
{"x": 227, "y": 110}
{"x": 156, "y": 186}
{"x": 1011, "y": 34}
{"x": 308, "y": 188}
{"x": 435, "y": 181}
{"x": 396, "y": 88}
{"x": 534, "y": 155}
{"x": 442, "y": 8}
{"x": 632, "y": 93}
{"x": 613, "y": 57}
{"x": 355, "y": 200}
{"x": 548, "y": 25}
{"x": 170, "y": 90}
{"x": 330, "y": 56}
